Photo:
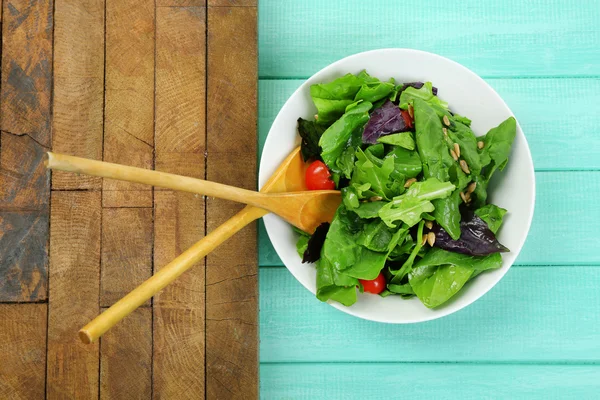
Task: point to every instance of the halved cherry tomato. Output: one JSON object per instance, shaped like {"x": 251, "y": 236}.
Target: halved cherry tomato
{"x": 318, "y": 177}
{"x": 407, "y": 119}
{"x": 374, "y": 286}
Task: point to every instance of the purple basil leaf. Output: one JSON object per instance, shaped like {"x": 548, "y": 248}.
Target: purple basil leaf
{"x": 383, "y": 121}
{"x": 315, "y": 244}
{"x": 417, "y": 85}
{"x": 476, "y": 238}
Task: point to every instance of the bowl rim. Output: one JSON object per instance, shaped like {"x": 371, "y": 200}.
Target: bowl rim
{"x": 443, "y": 311}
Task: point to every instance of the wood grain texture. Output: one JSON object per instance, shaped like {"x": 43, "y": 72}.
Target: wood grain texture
{"x": 428, "y": 381}
{"x": 179, "y": 339}
{"x": 231, "y": 275}
{"x": 72, "y": 367}
{"x": 553, "y": 38}
{"x": 23, "y": 256}
{"x": 126, "y": 358}
{"x": 78, "y": 86}
{"x": 180, "y": 79}
{"x": 532, "y": 315}
{"x": 22, "y": 351}
{"x": 27, "y": 69}
{"x": 129, "y": 96}
{"x": 126, "y": 259}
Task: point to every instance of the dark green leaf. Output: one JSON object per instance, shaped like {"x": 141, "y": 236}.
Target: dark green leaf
{"x": 310, "y": 133}
{"x": 402, "y": 139}
{"x": 492, "y": 215}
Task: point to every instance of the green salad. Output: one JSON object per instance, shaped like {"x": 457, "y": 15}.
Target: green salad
{"x": 414, "y": 220}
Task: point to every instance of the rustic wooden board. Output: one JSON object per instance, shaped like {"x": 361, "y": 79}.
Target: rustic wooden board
{"x": 125, "y": 82}
{"x": 231, "y": 272}
{"x": 22, "y": 351}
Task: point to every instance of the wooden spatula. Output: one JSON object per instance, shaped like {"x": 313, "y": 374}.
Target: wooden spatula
{"x": 289, "y": 177}
{"x": 306, "y": 209}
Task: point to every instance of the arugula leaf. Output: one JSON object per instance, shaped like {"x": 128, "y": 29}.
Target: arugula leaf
{"x": 492, "y": 215}
{"x": 425, "y": 93}
{"x": 334, "y": 139}
{"x": 407, "y": 266}
{"x": 334, "y": 285}
{"x": 402, "y": 139}
{"x": 409, "y": 206}
{"x": 378, "y": 177}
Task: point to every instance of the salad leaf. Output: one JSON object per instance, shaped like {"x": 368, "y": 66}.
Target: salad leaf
{"x": 430, "y": 141}
{"x": 464, "y": 136}
{"x": 436, "y": 257}
{"x": 312, "y": 251}
{"x": 345, "y": 162}
{"x": 406, "y": 162}
{"x": 407, "y": 266}
{"x": 369, "y": 209}
{"x": 409, "y": 206}
{"x": 498, "y": 142}
{"x": 447, "y": 213}
{"x": 492, "y": 215}
{"x": 310, "y": 132}
{"x": 335, "y": 285}
{"x": 405, "y": 289}
{"x": 416, "y": 85}
{"x": 302, "y": 245}
{"x": 476, "y": 238}
{"x": 383, "y": 121}
{"x": 402, "y": 139}
{"x": 376, "y": 236}
{"x": 425, "y": 93}
{"x": 331, "y": 99}
{"x": 334, "y": 139}
{"x": 479, "y": 196}
{"x": 374, "y": 91}
{"x": 436, "y": 285}
{"x": 368, "y": 264}
{"x": 378, "y": 177}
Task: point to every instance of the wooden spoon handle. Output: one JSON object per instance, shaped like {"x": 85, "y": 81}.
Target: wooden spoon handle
{"x": 103, "y": 169}
{"x": 167, "y": 274}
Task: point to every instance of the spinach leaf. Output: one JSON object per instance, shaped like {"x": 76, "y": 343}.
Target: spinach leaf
{"x": 406, "y": 162}
{"x": 369, "y": 209}
{"x": 404, "y": 290}
{"x": 335, "y": 285}
{"x": 345, "y": 162}
{"x": 368, "y": 264}
{"x": 430, "y": 141}
{"x": 467, "y": 141}
{"x": 463, "y": 120}
{"x": 334, "y": 139}
{"x": 302, "y": 245}
{"x": 447, "y": 213}
{"x": 479, "y": 196}
{"x": 402, "y": 139}
{"x": 374, "y": 91}
{"x": 409, "y": 206}
{"x": 436, "y": 285}
{"x": 425, "y": 93}
{"x": 436, "y": 257}
{"x": 498, "y": 142}
{"x": 331, "y": 99}
{"x": 340, "y": 242}
{"x": 310, "y": 133}
{"x": 492, "y": 215}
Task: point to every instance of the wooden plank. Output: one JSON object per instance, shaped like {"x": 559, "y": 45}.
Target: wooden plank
{"x": 23, "y": 351}
{"x": 126, "y": 251}
{"x": 232, "y": 3}
{"x": 180, "y": 3}
{"x": 179, "y": 340}
{"x": 180, "y": 81}
{"x": 539, "y": 104}
{"x": 231, "y": 274}
{"x": 23, "y": 256}
{"x": 429, "y": 381}
{"x": 75, "y": 217}
{"x": 126, "y": 358}
{"x": 532, "y": 315}
{"x": 27, "y": 69}
{"x": 129, "y": 97}
{"x": 299, "y": 38}
{"x": 78, "y": 86}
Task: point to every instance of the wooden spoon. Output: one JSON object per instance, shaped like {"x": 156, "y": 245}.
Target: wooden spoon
{"x": 305, "y": 210}
{"x": 288, "y": 177}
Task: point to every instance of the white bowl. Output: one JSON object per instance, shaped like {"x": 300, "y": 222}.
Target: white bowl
{"x": 467, "y": 94}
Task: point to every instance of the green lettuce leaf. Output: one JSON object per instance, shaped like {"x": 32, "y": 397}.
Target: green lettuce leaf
{"x": 492, "y": 215}
{"x": 402, "y": 139}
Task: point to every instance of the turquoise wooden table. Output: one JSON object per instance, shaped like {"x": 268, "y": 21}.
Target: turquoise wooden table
{"x": 537, "y": 333}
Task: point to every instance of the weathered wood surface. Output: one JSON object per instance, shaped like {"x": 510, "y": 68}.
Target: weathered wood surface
{"x": 125, "y": 82}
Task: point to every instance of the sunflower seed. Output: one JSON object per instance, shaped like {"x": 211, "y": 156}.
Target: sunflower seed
{"x": 468, "y": 197}
{"x": 431, "y": 238}
{"x": 463, "y": 197}
{"x": 457, "y": 149}
{"x": 471, "y": 187}
{"x": 429, "y": 224}
{"x": 480, "y": 145}
{"x": 375, "y": 198}
{"x": 409, "y": 182}
{"x": 316, "y": 116}
{"x": 445, "y": 131}
{"x": 424, "y": 240}
{"x": 453, "y": 153}
{"x": 446, "y": 120}
{"x": 464, "y": 167}
{"x": 411, "y": 111}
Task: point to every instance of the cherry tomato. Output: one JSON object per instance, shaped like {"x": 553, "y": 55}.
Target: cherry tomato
{"x": 374, "y": 286}
{"x": 318, "y": 177}
{"x": 407, "y": 119}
